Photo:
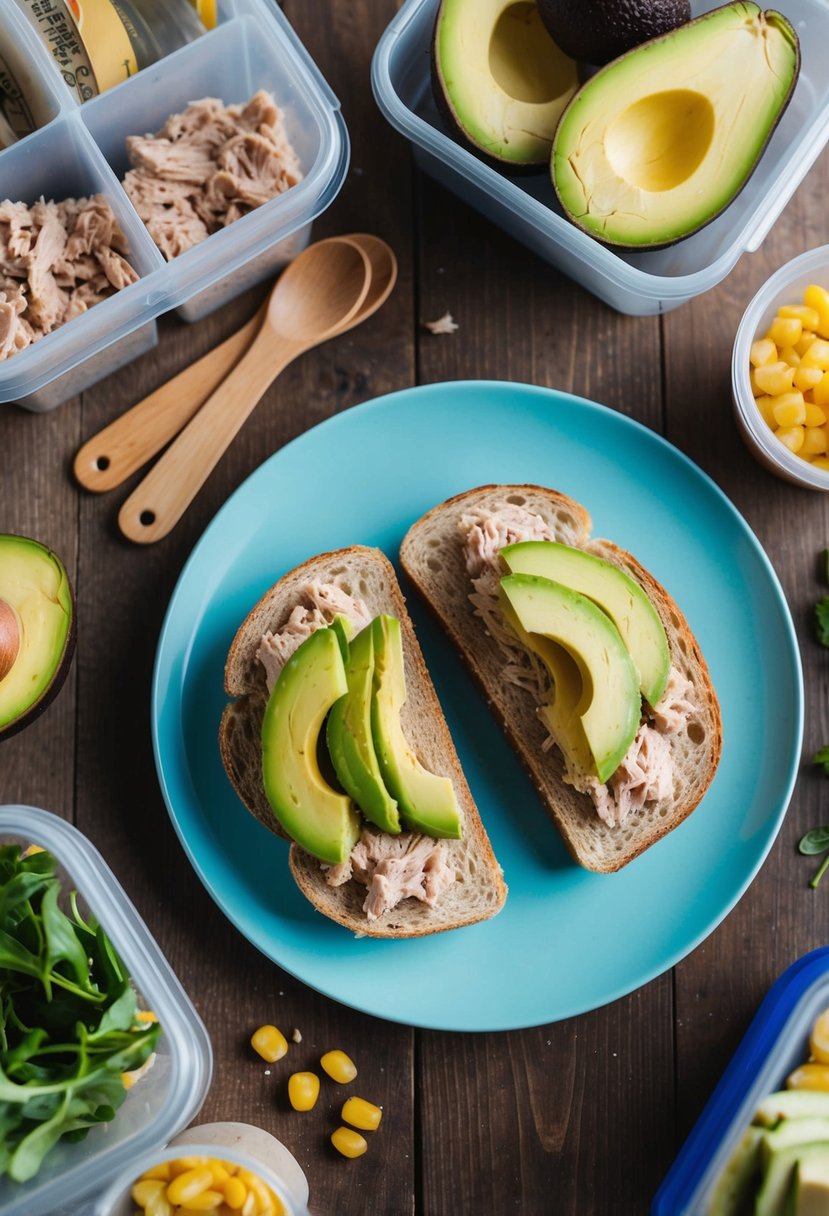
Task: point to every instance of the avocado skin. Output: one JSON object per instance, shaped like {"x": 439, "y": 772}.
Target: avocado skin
{"x": 596, "y": 31}
{"x": 64, "y": 663}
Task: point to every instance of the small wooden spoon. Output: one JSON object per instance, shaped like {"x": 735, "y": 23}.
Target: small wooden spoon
{"x": 121, "y": 448}
{"x": 314, "y": 298}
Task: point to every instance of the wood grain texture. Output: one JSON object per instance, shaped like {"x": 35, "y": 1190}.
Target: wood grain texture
{"x": 579, "y": 1118}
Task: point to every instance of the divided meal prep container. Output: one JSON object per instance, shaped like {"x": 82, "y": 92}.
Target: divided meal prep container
{"x": 81, "y": 150}
{"x": 524, "y": 204}
{"x": 776, "y": 1042}
{"x": 170, "y": 1094}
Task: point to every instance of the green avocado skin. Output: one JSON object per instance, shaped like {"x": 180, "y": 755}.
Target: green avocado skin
{"x": 34, "y": 581}
{"x": 596, "y": 31}
{"x": 350, "y": 743}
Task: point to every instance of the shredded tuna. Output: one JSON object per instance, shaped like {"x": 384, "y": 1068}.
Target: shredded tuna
{"x": 319, "y": 603}
{"x": 394, "y": 868}
{"x": 207, "y": 167}
{"x": 646, "y": 772}
{"x": 56, "y": 261}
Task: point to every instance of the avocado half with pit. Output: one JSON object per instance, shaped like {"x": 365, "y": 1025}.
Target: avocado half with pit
{"x": 499, "y": 79}
{"x": 661, "y": 140}
{"x": 37, "y": 634}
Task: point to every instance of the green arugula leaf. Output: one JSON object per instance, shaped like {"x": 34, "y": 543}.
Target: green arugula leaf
{"x": 821, "y": 757}
{"x": 822, "y": 620}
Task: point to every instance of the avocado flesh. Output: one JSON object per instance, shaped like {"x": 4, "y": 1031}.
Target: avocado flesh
{"x": 738, "y": 1181}
{"x": 561, "y": 714}
{"x": 657, "y": 143}
{"x": 615, "y": 592}
{"x": 35, "y": 587}
{"x": 318, "y": 817}
{"x": 426, "y": 802}
{"x": 500, "y": 78}
{"x": 779, "y": 1175}
{"x": 792, "y": 1104}
{"x": 610, "y": 706}
{"x": 810, "y": 1191}
{"x": 350, "y": 745}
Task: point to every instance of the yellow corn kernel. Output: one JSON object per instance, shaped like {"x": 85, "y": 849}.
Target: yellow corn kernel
{"x": 818, "y": 298}
{"x": 762, "y": 351}
{"x": 181, "y": 1164}
{"x": 348, "y": 1142}
{"x": 207, "y": 1201}
{"x": 789, "y": 355}
{"x": 821, "y": 462}
{"x": 256, "y": 1187}
{"x": 820, "y": 392}
{"x": 303, "y": 1090}
{"x": 765, "y": 405}
{"x": 814, "y": 441}
{"x": 819, "y": 1038}
{"x": 790, "y": 410}
{"x": 362, "y": 1114}
{"x": 31, "y": 849}
{"x": 162, "y": 1170}
{"x": 809, "y": 1076}
{"x": 270, "y": 1043}
{"x": 807, "y": 377}
{"x": 189, "y": 1185}
{"x": 792, "y": 437}
{"x": 815, "y": 416}
{"x": 774, "y": 378}
{"x": 785, "y": 331}
{"x": 808, "y": 317}
{"x": 146, "y": 1189}
{"x": 218, "y": 1170}
{"x": 817, "y": 354}
{"x": 235, "y": 1193}
{"x": 338, "y": 1066}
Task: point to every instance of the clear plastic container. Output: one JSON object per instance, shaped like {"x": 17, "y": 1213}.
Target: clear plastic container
{"x": 786, "y": 286}
{"x": 640, "y": 283}
{"x": 774, "y": 1044}
{"x": 170, "y": 1094}
{"x": 81, "y": 150}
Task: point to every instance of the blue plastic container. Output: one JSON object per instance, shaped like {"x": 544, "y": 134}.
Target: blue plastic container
{"x": 775, "y": 1043}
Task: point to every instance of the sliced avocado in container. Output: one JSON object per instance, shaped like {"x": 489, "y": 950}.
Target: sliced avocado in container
{"x": 809, "y": 1195}
{"x": 661, "y": 140}
{"x": 37, "y": 630}
{"x": 738, "y": 1181}
{"x": 792, "y": 1104}
{"x": 499, "y": 80}
{"x": 779, "y": 1176}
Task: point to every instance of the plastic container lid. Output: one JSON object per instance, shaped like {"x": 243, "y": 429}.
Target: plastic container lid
{"x": 172, "y": 1091}
{"x": 774, "y": 1044}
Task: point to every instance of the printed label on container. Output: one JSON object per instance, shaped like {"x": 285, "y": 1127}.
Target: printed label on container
{"x": 90, "y": 39}
{"x": 16, "y": 118}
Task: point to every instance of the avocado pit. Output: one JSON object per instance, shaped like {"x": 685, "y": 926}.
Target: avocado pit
{"x": 9, "y": 638}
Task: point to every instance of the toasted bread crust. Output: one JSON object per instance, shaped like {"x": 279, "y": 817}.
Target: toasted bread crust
{"x": 433, "y": 559}
{"x": 366, "y": 573}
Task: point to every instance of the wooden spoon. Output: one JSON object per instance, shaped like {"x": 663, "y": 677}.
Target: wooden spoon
{"x": 314, "y": 298}
{"x": 119, "y": 449}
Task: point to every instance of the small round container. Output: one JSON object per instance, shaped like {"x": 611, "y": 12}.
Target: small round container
{"x": 784, "y": 287}
{"x": 241, "y": 1143}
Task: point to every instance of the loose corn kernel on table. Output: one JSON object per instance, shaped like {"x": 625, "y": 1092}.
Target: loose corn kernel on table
{"x": 578, "y": 1118}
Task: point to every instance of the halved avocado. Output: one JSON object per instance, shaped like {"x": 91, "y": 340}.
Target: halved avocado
{"x": 37, "y": 635}
{"x": 659, "y": 142}
{"x": 595, "y": 31}
{"x": 499, "y": 79}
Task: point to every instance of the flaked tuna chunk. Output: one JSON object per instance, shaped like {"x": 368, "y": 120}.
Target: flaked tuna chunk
{"x": 318, "y": 605}
{"x": 259, "y": 112}
{"x": 175, "y": 162}
{"x": 206, "y": 123}
{"x": 117, "y": 269}
{"x": 394, "y": 868}
{"x": 8, "y": 328}
{"x": 251, "y": 171}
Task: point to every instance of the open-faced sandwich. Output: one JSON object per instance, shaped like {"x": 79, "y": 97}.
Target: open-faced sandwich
{"x": 583, "y": 656}
{"x": 336, "y": 740}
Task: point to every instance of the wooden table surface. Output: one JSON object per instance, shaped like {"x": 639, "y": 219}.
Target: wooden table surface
{"x": 581, "y": 1116}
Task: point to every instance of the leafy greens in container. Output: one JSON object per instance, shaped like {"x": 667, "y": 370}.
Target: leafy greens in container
{"x": 69, "y": 1024}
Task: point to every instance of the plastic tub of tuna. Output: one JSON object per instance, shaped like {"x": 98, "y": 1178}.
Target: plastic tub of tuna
{"x": 81, "y": 151}
{"x": 765, "y": 1129}
{"x": 131, "y": 1103}
{"x": 639, "y": 282}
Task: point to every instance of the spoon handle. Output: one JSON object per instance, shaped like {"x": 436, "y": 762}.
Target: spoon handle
{"x": 116, "y": 451}
{"x": 158, "y": 503}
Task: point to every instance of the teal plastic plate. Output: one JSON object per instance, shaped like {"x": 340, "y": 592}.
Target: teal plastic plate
{"x": 566, "y": 941}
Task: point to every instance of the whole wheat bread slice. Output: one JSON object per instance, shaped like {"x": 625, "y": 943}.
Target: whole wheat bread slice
{"x": 432, "y": 556}
{"x": 479, "y": 890}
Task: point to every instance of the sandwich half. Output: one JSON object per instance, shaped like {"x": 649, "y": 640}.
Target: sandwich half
{"x": 402, "y": 851}
{"x": 602, "y": 690}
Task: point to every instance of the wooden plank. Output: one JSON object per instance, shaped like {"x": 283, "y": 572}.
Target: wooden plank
{"x": 523, "y": 1121}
